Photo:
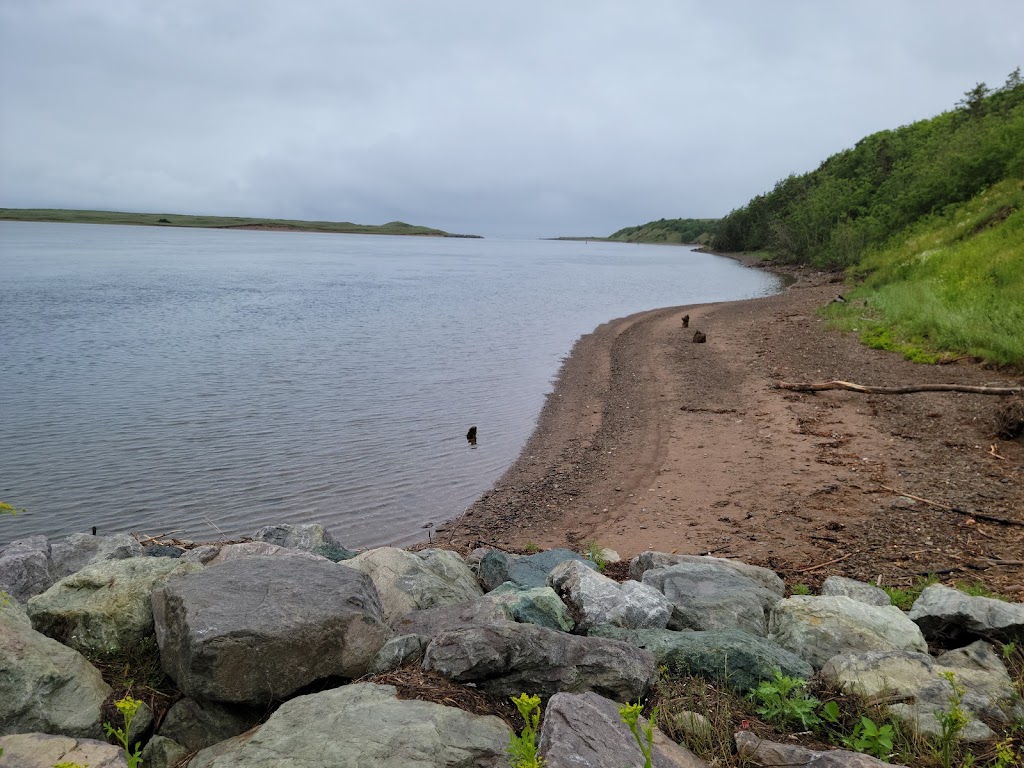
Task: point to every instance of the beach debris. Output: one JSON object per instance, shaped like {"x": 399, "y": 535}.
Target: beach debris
{"x": 699, "y": 337}
{"x": 1010, "y": 420}
{"x": 686, "y": 321}
{"x": 904, "y": 390}
{"x": 471, "y": 436}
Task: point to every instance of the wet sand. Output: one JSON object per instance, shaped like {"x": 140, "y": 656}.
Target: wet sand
{"x": 651, "y": 441}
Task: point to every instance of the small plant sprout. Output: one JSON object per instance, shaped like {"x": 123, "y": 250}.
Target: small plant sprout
{"x": 872, "y": 739}
{"x": 522, "y": 749}
{"x": 630, "y": 714}
{"x": 531, "y": 547}
{"x": 801, "y": 589}
{"x": 595, "y": 554}
{"x": 951, "y": 721}
{"x": 128, "y": 707}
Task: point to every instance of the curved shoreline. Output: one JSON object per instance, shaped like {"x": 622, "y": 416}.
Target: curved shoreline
{"x": 650, "y": 441}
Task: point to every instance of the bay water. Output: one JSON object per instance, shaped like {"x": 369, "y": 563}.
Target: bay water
{"x": 209, "y": 382}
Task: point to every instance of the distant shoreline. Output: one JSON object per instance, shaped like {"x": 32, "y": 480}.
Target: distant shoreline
{"x": 76, "y": 216}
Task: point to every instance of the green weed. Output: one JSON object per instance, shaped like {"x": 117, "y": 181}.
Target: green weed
{"x": 128, "y": 707}
{"x": 630, "y": 714}
{"x": 595, "y": 554}
{"x": 784, "y": 701}
{"x": 531, "y": 547}
{"x": 801, "y": 589}
{"x": 951, "y": 722}
{"x": 522, "y": 749}
{"x": 904, "y": 598}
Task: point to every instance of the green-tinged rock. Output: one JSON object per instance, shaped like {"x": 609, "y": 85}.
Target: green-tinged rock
{"x": 41, "y": 750}
{"x": 404, "y": 649}
{"x": 45, "y": 686}
{"x": 818, "y": 628}
{"x": 309, "y": 537}
{"x": 105, "y": 606}
{"x": 365, "y": 725}
{"x": 497, "y": 567}
{"x": 740, "y": 659}
{"x": 197, "y": 724}
{"x": 161, "y": 752}
{"x": 537, "y": 605}
{"x": 412, "y": 581}
{"x": 941, "y": 611}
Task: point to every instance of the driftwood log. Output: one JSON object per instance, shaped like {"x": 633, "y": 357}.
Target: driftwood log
{"x": 904, "y": 390}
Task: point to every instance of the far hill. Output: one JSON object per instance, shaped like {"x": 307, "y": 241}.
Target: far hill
{"x": 215, "y": 222}
{"x": 668, "y": 231}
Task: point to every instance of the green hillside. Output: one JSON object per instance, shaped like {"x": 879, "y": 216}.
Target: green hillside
{"x": 668, "y": 231}
{"x": 928, "y": 221}
{"x": 215, "y": 222}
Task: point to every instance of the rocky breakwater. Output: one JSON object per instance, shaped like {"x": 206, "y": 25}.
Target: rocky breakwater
{"x": 277, "y": 647}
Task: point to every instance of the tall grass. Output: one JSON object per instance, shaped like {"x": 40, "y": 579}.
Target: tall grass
{"x": 951, "y": 285}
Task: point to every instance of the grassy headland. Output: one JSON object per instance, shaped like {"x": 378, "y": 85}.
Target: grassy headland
{"x": 668, "y": 231}
{"x": 215, "y": 222}
{"x": 926, "y": 219}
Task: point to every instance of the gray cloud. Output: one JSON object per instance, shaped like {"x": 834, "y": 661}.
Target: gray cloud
{"x": 528, "y": 118}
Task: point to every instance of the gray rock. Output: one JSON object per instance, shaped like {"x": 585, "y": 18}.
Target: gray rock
{"x": 230, "y": 552}
{"x": 818, "y": 628}
{"x": 202, "y": 554}
{"x": 434, "y": 621}
{"x": 990, "y": 692}
{"x": 259, "y": 628}
{"x": 649, "y": 561}
{"x": 309, "y": 537}
{"x": 497, "y": 567}
{"x": 105, "y": 606}
{"x": 25, "y": 568}
{"x": 398, "y": 651}
{"x": 46, "y": 686}
{"x": 362, "y": 725}
{"x": 161, "y": 752}
{"x": 162, "y": 550}
{"x": 586, "y": 730}
{"x": 596, "y": 599}
{"x": 408, "y": 581}
{"x": 41, "y": 750}
{"x": 78, "y": 550}
{"x": 746, "y": 659}
{"x": 707, "y": 595}
{"x": 536, "y": 605}
{"x": 942, "y": 612}
{"x": 772, "y": 754}
{"x": 197, "y": 724}
{"x": 509, "y": 659}
{"x": 840, "y": 586}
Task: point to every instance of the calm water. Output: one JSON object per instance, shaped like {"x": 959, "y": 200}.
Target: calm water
{"x": 211, "y": 382}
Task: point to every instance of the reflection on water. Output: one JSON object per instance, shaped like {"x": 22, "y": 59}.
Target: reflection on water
{"x": 210, "y": 382}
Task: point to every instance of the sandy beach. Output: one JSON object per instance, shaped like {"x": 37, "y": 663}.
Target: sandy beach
{"x": 651, "y": 441}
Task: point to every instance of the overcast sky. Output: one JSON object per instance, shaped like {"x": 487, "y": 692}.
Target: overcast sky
{"x": 501, "y": 118}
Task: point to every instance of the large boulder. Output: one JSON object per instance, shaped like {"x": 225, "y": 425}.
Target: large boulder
{"x": 161, "y": 752}
{"x": 257, "y": 629}
{"x": 840, "y": 586}
{"x": 411, "y": 581}
{"x": 920, "y": 679}
{"x": 533, "y": 605}
{"x": 41, "y": 750}
{"x": 596, "y": 599}
{"x": 25, "y": 568}
{"x": 230, "y": 552}
{"x": 730, "y": 656}
{"x": 586, "y": 730}
{"x": 509, "y": 659}
{"x": 105, "y": 606}
{"x": 309, "y": 537}
{"x": 772, "y": 754}
{"x": 433, "y": 621}
{"x": 949, "y": 614}
{"x": 81, "y": 549}
{"x": 45, "y": 686}
{"x": 649, "y": 561}
{"x": 197, "y": 724}
{"x": 497, "y": 567}
{"x": 365, "y": 724}
{"x": 818, "y": 628}
{"x": 708, "y": 595}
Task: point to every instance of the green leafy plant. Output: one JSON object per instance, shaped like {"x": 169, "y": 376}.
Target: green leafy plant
{"x": 801, "y": 589}
{"x": 784, "y": 701}
{"x": 531, "y": 547}
{"x": 951, "y": 721}
{"x": 595, "y": 554}
{"x": 68, "y": 764}
{"x": 630, "y": 714}
{"x": 522, "y": 749}
{"x": 128, "y": 707}
{"x": 872, "y": 739}
{"x": 904, "y": 598}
